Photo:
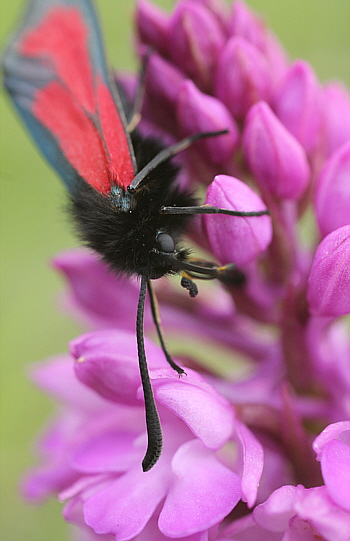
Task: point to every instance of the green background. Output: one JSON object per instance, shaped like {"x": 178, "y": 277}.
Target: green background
{"x": 33, "y": 229}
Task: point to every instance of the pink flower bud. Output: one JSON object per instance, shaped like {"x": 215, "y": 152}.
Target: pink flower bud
{"x": 276, "y": 58}
{"x": 242, "y": 77}
{"x": 235, "y": 239}
{"x": 218, "y": 8}
{"x": 275, "y": 157}
{"x": 298, "y": 104}
{"x": 332, "y": 193}
{"x": 163, "y": 82}
{"x": 329, "y": 281}
{"x": 198, "y": 112}
{"x": 245, "y": 24}
{"x": 152, "y": 26}
{"x": 336, "y": 116}
{"x": 197, "y": 39}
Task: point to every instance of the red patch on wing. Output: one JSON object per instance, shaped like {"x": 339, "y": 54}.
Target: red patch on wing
{"x": 76, "y": 106}
{"x": 113, "y": 131}
{"x": 61, "y": 41}
{"x": 77, "y": 136}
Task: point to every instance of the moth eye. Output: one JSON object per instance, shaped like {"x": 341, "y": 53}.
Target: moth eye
{"x": 165, "y": 243}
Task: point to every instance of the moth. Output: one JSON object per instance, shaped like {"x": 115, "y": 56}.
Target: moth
{"x": 122, "y": 189}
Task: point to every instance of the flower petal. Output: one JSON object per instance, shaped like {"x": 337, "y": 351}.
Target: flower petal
{"x": 203, "y": 493}
{"x": 125, "y": 505}
{"x": 335, "y": 465}
{"x": 206, "y": 413}
{"x": 109, "y": 452}
{"x": 315, "y": 506}
{"x": 253, "y": 463}
{"x": 95, "y": 292}
{"x": 275, "y": 513}
{"x": 106, "y": 361}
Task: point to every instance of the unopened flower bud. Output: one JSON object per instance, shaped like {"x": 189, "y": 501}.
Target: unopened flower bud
{"x": 336, "y": 116}
{"x": 298, "y": 104}
{"x": 242, "y": 76}
{"x": 152, "y": 26}
{"x": 197, "y": 39}
{"x": 198, "y": 112}
{"x": 235, "y": 239}
{"x": 163, "y": 84}
{"x": 332, "y": 193}
{"x": 329, "y": 281}
{"x": 245, "y": 24}
{"x": 275, "y": 157}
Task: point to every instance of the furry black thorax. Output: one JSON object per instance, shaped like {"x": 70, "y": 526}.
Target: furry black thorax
{"x": 123, "y": 227}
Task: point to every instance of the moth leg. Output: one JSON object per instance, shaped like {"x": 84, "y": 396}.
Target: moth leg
{"x": 206, "y": 270}
{"x": 157, "y": 322}
{"x": 135, "y": 117}
{"x": 189, "y": 284}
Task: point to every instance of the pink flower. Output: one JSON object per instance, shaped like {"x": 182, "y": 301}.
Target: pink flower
{"x": 99, "y": 442}
{"x": 303, "y": 514}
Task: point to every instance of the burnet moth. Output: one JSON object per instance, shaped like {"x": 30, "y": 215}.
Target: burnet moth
{"x": 122, "y": 189}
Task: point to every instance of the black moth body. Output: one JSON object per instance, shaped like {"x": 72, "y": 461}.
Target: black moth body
{"x": 128, "y": 230}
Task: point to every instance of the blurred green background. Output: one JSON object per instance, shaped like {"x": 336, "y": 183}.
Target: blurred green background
{"x": 33, "y": 229}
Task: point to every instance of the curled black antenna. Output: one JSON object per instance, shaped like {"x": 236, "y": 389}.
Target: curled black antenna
{"x": 168, "y": 153}
{"x": 154, "y": 430}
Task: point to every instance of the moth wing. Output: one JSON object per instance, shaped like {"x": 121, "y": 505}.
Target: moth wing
{"x": 55, "y": 71}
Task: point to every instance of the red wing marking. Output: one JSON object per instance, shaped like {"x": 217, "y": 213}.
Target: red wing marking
{"x": 77, "y": 105}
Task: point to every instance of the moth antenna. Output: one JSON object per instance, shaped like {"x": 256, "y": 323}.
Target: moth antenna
{"x": 208, "y": 209}
{"x": 154, "y": 429}
{"x": 168, "y": 153}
